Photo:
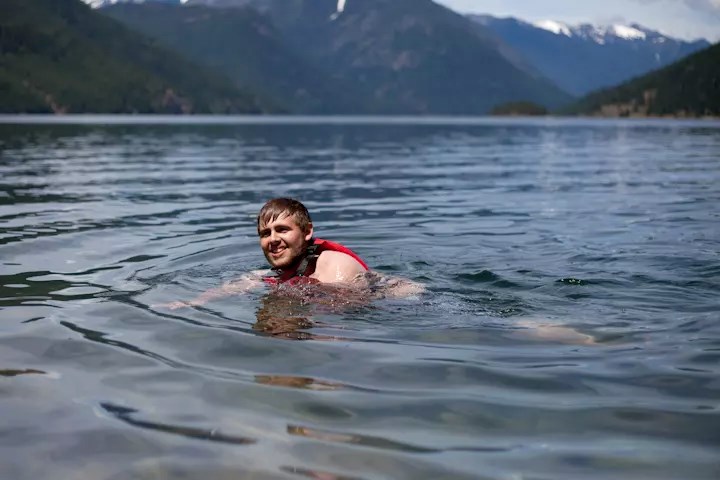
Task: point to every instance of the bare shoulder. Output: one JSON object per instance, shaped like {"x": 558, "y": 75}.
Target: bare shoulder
{"x": 337, "y": 267}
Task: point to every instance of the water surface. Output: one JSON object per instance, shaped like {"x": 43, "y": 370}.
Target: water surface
{"x": 569, "y": 329}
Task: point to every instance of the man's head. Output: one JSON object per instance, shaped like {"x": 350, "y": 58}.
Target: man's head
{"x": 285, "y": 229}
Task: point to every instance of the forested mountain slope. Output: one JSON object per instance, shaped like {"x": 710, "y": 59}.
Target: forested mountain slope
{"x": 690, "y": 87}
{"x": 61, "y": 56}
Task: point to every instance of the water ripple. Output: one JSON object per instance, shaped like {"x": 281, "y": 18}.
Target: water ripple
{"x": 569, "y": 329}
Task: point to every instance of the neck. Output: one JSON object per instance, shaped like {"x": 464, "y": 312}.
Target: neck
{"x": 291, "y": 270}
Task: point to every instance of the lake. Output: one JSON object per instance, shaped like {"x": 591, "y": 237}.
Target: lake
{"x": 569, "y": 328}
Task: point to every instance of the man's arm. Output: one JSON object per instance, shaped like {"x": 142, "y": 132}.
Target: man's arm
{"x": 246, "y": 283}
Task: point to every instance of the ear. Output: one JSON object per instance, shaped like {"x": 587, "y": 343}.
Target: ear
{"x": 309, "y": 232}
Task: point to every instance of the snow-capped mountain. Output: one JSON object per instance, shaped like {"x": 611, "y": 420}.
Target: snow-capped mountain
{"x": 597, "y": 33}
{"x": 603, "y": 34}
{"x": 585, "y": 57}
{"x": 577, "y": 58}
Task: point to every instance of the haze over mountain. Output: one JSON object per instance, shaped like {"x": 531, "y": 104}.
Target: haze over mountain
{"x": 587, "y": 57}
{"x": 60, "y": 56}
{"x": 394, "y": 56}
{"x": 687, "y": 88}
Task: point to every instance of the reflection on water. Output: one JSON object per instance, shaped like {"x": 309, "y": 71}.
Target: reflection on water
{"x": 284, "y": 316}
{"x": 127, "y": 415}
{"x": 27, "y": 371}
{"x": 297, "y": 382}
{"x": 567, "y": 330}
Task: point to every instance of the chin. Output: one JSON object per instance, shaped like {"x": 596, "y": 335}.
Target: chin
{"x": 280, "y": 262}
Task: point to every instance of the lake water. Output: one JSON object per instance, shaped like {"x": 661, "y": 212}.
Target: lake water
{"x": 569, "y": 329}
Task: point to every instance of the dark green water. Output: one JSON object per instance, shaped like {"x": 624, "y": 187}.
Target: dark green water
{"x": 570, "y": 329}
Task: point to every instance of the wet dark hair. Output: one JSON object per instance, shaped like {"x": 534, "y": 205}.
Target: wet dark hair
{"x": 279, "y": 207}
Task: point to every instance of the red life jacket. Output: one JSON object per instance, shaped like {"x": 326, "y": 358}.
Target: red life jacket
{"x": 306, "y": 266}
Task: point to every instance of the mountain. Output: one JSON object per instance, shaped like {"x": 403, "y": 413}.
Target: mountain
{"x": 688, "y": 88}
{"x": 60, "y": 56}
{"x": 406, "y": 56}
{"x": 244, "y": 45}
{"x": 584, "y": 58}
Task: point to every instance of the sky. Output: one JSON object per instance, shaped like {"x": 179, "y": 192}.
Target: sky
{"x": 688, "y": 19}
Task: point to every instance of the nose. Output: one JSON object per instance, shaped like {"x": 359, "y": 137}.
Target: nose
{"x": 274, "y": 236}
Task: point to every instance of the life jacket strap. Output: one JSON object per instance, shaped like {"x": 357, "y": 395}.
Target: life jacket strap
{"x": 310, "y": 258}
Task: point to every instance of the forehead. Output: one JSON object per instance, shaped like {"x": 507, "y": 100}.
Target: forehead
{"x": 283, "y": 218}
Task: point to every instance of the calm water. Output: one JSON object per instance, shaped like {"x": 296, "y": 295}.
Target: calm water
{"x": 570, "y": 329}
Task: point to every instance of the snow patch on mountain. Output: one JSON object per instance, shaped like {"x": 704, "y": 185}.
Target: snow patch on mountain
{"x": 557, "y": 28}
{"x": 628, "y": 33}
{"x": 339, "y": 10}
{"x": 597, "y": 33}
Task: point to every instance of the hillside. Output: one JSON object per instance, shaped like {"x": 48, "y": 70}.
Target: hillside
{"x": 245, "y": 46}
{"x": 688, "y": 88}
{"x": 61, "y": 56}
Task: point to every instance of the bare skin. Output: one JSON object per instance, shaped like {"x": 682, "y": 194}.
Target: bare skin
{"x": 282, "y": 240}
{"x": 244, "y": 284}
{"x": 542, "y": 329}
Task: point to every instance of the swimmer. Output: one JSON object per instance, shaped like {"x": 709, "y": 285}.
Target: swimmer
{"x": 298, "y": 258}
{"x": 286, "y": 239}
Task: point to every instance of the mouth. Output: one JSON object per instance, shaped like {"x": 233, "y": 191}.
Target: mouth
{"x": 277, "y": 252}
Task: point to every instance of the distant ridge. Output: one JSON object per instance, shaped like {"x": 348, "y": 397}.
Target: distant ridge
{"x": 688, "y": 88}
{"x": 583, "y": 58}
{"x": 59, "y": 56}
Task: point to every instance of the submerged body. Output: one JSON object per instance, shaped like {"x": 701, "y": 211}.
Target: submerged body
{"x": 286, "y": 238}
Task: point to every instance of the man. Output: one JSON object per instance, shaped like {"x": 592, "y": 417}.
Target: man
{"x": 286, "y": 239}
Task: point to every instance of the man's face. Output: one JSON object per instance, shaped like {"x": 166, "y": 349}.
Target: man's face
{"x": 282, "y": 241}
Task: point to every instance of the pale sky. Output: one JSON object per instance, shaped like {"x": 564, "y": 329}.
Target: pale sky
{"x": 688, "y": 19}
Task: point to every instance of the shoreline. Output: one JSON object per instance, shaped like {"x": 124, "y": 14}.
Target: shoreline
{"x": 265, "y": 119}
